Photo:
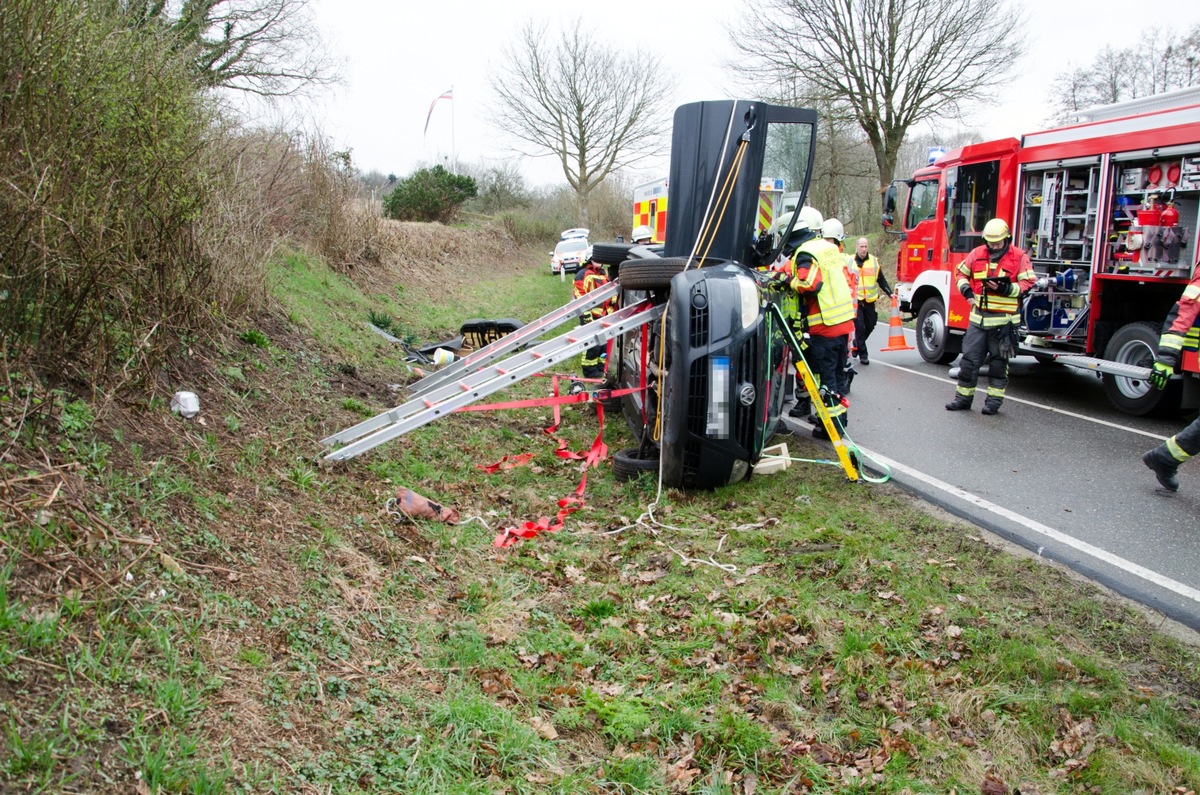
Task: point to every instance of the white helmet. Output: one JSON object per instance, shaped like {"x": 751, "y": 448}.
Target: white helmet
{"x": 809, "y": 218}
{"x": 833, "y": 230}
{"x": 642, "y": 234}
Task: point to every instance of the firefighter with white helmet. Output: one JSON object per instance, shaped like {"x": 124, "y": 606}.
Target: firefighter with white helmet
{"x": 642, "y": 235}
{"x": 816, "y": 274}
{"x": 833, "y": 231}
{"x": 992, "y": 278}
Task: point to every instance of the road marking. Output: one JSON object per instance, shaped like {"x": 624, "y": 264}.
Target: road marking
{"x": 1043, "y": 406}
{"x": 1037, "y": 527}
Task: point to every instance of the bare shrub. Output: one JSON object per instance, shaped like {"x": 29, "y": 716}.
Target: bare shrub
{"x": 101, "y": 184}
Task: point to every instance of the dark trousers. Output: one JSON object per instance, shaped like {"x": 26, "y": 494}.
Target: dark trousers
{"x": 592, "y": 361}
{"x": 827, "y": 355}
{"x": 1181, "y": 446}
{"x": 864, "y": 324}
{"x": 977, "y": 344}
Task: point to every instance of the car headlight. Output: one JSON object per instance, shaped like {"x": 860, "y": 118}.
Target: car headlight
{"x": 748, "y": 293}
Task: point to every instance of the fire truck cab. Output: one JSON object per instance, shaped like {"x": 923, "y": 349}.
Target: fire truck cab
{"x": 1108, "y": 210}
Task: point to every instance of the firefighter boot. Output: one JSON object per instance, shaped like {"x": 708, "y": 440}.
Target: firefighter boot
{"x": 1164, "y": 467}
{"x": 960, "y": 403}
{"x": 802, "y": 408}
{"x": 991, "y": 406}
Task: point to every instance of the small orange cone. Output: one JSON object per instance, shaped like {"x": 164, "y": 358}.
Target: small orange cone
{"x": 896, "y": 340}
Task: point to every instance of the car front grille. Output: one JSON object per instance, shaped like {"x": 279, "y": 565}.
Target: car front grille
{"x": 744, "y": 419}
{"x": 698, "y": 326}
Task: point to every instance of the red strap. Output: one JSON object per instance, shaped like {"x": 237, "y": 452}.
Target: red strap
{"x": 567, "y": 505}
{"x": 506, "y": 463}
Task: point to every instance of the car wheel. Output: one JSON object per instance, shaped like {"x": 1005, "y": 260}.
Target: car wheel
{"x": 610, "y": 253}
{"x": 628, "y": 464}
{"x": 1136, "y": 344}
{"x": 656, "y": 274}
{"x": 933, "y": 338}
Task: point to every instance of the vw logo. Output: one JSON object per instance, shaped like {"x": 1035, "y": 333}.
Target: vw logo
{"x": 746, "y": 394}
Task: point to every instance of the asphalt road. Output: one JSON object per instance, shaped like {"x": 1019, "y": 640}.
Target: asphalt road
{"x": 1057, "y": 471}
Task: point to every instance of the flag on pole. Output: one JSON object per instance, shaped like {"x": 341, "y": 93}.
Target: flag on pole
{"x": 448, "y": 94}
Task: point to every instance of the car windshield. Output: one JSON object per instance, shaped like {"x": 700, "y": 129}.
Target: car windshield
{"x": 571, "y": 246}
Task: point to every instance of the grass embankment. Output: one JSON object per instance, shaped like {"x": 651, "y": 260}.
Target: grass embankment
{"x": 199, "y": 606}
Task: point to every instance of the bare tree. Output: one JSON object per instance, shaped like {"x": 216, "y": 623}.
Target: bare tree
{"x": 1161, "y": 60}
{"x": 891, "y": 63}
{"x": 266, "y": 47}
{"x": 577, "y": 98}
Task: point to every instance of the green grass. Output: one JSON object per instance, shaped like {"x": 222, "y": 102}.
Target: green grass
{"x": 306, "y": 639}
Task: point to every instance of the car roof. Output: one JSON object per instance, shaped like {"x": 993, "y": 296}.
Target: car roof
{"x": 574, "y": 233}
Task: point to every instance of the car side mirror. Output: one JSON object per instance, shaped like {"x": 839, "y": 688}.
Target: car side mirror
{"x": 889, "y": 201}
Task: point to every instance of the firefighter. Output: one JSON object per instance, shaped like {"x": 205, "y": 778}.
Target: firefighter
{"x": 1166, "y": 458}
{"x": 992, "y": 278}
{"x": 642, "y": 235}
{"x": 816, "y": 273}
{"x": 871, "y": 282}
{"x": 833, "y": 231}
{"x": 591, "y": 276}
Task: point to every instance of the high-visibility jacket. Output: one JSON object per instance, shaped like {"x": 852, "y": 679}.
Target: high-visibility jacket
{"x": 1001, "y": 307}
{"x": 868, "y": 279}
{"x": 852, "y": 277}
{"x": 591, "y": 278}
{"x": 1179, "y": 329}
{"x": 825, "y": 288}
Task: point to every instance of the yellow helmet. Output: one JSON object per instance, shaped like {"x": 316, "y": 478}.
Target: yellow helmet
{"x": 996, "y": 230}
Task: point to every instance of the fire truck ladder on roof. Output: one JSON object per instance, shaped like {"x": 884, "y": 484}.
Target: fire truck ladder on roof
{"x": 484, "y": 356}
{"x": 444, "y": 396}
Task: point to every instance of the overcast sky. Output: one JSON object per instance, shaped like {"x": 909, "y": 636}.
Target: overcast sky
{"x": 399, "y": 56}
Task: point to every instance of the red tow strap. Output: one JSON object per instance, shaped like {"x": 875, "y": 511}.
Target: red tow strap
{"x": 592, "y": 457}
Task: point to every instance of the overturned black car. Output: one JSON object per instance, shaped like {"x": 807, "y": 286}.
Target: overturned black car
{"x": 708, "y": 381}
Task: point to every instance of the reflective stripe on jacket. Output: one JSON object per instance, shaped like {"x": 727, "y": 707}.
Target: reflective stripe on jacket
{"x": 588, "y": 279}
{"x": 995, "y": 308}
{"x": 834, "y": 302}
{"x": 868, "y": 280}
{"x": 1179, "y": 327}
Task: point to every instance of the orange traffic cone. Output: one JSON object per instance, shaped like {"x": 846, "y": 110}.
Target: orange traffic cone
{"x": 896, "y": 340}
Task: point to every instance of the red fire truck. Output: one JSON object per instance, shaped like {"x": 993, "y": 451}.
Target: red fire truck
{"x": 1108, "y": 211}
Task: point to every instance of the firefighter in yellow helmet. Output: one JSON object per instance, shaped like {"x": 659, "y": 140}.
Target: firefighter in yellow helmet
{"x": 992, "y": 278}
{"x": 591, "y": 276}
{"x": 1179, "y": 325}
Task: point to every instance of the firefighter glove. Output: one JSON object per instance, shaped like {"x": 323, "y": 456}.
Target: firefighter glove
{"x": 1160, "y": 374}
{"x": 1000, "y": 285}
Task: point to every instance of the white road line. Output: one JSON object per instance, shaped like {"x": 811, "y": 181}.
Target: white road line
{"x": 1037, "y": 527}
{"x": 1043, "y": 406}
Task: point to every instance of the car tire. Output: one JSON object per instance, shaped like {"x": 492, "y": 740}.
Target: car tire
{"x": 1136, "y": 344}
{"x": 935, "y": 343}
{"x": 656, "y": 274}
{"x": 610, "y": 253}
{"x": 628, "y": 464}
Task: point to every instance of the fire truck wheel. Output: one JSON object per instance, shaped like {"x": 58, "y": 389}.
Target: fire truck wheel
{"x": 1135, "y": 344}
{"x": 934, "y": 341}
{"x": 628, "y": 464}
{"x": 656, "y": 274}
{"x": 610, "y": 253}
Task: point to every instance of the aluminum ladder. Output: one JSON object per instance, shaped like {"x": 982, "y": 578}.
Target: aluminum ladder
{"x": 438, "y": 395}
